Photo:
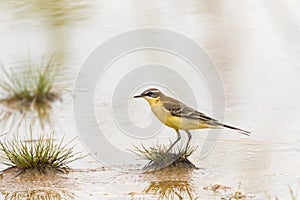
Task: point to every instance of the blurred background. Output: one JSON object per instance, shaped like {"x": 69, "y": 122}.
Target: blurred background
{"x": 255, "y": 45}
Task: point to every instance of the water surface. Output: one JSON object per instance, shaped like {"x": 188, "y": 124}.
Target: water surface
{"x": 256, "y": 47}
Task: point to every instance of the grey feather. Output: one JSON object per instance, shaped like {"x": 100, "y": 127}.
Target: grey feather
{"x": 176, "y": 108}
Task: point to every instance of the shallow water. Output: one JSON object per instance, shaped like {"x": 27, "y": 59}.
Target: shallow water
{"x": 256, "y": 47}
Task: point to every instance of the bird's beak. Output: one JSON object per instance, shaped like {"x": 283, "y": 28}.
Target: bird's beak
{"x": 138, "y": 96}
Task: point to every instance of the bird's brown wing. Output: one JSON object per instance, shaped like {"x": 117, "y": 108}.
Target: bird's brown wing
{"x": 176, "y": 108}
{"x": 179, "y": 109}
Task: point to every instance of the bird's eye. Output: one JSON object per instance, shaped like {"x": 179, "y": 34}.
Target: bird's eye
{"x": 150, "y": 94}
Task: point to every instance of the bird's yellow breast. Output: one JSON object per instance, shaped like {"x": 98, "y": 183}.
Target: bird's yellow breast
{"x": 184, "y": 123}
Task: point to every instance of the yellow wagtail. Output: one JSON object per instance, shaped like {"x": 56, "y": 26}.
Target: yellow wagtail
{"x": 179, "y": 116}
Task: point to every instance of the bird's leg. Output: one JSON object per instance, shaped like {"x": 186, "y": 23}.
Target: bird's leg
{"x": 189, "y": 139}
{"x": 178, "y": 138}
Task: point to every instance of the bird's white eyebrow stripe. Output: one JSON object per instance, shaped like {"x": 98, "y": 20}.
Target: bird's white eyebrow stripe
{"x": 152, "y": 90}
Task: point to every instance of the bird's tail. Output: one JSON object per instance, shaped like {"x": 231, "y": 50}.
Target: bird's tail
{"x": 236, "y": 129}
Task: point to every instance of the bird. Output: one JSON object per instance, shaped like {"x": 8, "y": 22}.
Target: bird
{"x": 175, "y": 114}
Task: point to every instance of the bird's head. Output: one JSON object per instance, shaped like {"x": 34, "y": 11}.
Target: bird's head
{"x": 152, "y": 95}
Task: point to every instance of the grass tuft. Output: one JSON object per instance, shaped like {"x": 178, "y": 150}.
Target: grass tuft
{"x": 159, "y": 157}
{"x": 39, "y": 155}
{"x": 33, "y": 89}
